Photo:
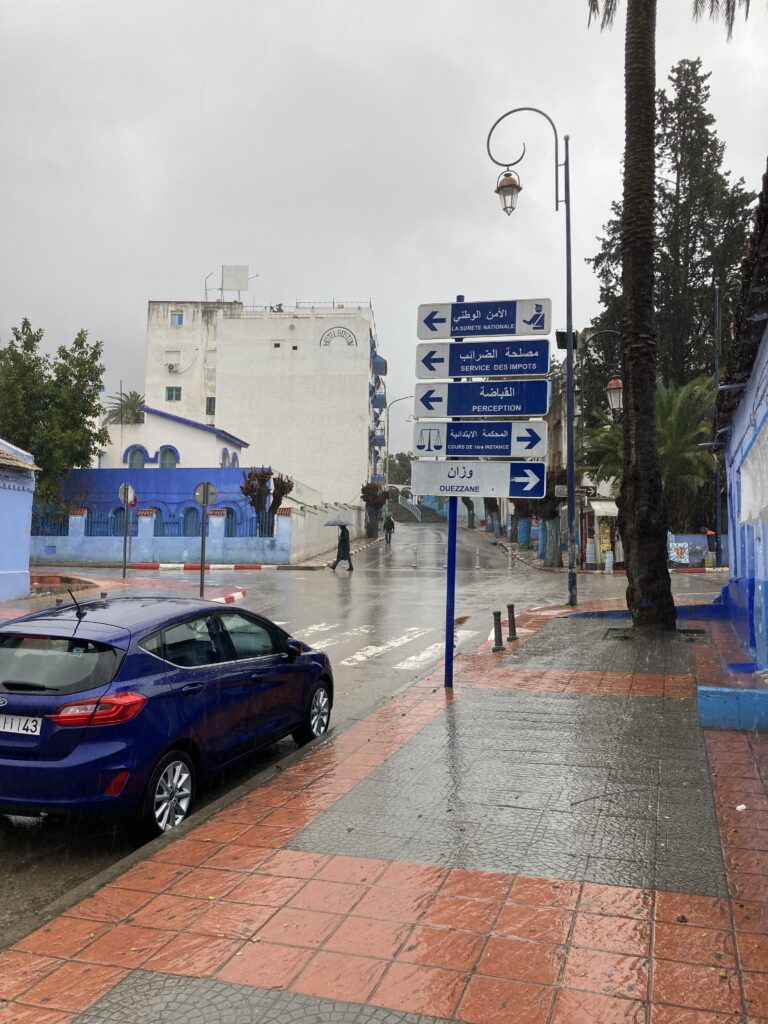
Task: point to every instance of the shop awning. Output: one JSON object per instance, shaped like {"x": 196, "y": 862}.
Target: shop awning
{"x": 604, "y": 509}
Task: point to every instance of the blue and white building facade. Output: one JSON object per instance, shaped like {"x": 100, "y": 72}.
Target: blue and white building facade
{"x": 743, "y": 422}
{"x": 17, "y": 487}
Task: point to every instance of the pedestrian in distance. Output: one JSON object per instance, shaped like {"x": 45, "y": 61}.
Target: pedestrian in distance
{"x": 342, "y": 550}
{"x": 389, "y": 528}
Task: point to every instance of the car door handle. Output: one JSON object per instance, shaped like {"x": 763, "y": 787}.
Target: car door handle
{"x": 255, "y": 676}
{"x": 193, "y": 688}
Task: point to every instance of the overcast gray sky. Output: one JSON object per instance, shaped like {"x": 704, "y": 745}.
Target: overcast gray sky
{"x": 335, "y": 146}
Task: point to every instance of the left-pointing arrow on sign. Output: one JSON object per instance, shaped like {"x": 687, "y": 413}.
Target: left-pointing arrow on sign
{"x": 430, "y": 399}
{"x": 530, "y": 479}
{"x": 431, "y": 359}
{"x": 432, "y": 318}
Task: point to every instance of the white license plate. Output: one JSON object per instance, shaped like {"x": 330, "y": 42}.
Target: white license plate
{"x": 20, "y": 723}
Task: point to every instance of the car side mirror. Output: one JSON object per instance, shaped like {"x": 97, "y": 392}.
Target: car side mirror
{"x": 292, "y": 649}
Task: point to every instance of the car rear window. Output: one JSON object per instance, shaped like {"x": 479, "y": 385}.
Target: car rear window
{"x": 52, "y": 664}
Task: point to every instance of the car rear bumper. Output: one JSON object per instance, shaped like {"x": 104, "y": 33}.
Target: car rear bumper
{"x": 76, "y": 783}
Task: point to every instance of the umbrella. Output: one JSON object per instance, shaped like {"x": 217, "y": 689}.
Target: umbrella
{"x": 338, "y": 522}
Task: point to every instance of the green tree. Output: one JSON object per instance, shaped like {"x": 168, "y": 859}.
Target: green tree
{"x": 49, "y": 405}
{"x": 700, "y": 235}
{"x": 683, "y": 424}
{"x": 399, "y": 468}
{"x": 125, "y": 407}
{"x": 642, "y": 519}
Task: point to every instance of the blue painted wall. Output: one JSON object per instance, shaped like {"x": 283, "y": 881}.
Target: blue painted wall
{"x": 16, "y": 490}
{"x": 170, "y": 490}
{"x": 747, "y": 591}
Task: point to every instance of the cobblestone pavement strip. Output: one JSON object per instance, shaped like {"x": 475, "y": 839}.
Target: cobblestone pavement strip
{"x": 570, "y": 853}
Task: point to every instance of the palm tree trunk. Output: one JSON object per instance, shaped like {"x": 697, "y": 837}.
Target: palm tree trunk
{"x": 642, "y": 521}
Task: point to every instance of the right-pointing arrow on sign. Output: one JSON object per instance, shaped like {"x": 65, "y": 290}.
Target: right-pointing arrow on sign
{"x": 530, "y": 439}
{"x": 530, "y": 479}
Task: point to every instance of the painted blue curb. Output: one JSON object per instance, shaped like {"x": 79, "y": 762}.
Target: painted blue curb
{"x": 721, "y": 707}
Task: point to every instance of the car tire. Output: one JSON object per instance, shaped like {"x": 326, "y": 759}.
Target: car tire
{"x": 317, "y": 716}
{"x": 169, "y": 794}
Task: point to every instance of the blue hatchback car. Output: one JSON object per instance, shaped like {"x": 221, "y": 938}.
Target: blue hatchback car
{"x": 120, "y": 707}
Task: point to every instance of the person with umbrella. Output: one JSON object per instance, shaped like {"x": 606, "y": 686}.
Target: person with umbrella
{"x": 342, "y": 549}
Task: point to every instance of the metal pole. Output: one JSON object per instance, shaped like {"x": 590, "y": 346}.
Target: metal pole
{"x": 571, "y": 463}
{"x": 125, "y": 531}
{"x": 202, "y": 542}
{"x": 450, "y": 579}
{"x": 511, "y": 626}
{"x": 718, "y": 499}
{"x": 498, "y": 642}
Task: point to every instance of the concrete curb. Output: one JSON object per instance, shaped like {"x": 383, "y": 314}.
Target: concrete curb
{"x": 235, "y": 596}
{"x": 598, "y": 572}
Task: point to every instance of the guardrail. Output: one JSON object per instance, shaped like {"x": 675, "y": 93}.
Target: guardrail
{"x": 410, "y": 507}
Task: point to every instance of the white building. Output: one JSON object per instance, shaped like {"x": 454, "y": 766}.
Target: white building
{"x": 301, "y": 385}
{"x": 165, "y": 441}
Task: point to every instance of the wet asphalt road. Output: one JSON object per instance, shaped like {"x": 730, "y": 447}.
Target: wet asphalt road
{"x": 382, "y": 626}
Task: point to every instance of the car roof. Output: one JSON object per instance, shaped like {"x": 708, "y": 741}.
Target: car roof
{"x": 111, "y": 620}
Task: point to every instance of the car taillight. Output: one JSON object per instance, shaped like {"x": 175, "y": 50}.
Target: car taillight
{"x": 122, "y": 707}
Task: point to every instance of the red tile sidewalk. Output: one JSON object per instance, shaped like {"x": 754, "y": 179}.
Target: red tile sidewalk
{"x": 228, "y": 901}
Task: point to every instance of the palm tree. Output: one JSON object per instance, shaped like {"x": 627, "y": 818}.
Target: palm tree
{"x": 125, "y": 407}
{"x": 642, "y": 520}
{"x": 684, "y": 423}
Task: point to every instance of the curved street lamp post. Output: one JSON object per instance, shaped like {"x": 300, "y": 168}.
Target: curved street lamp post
{"x": 386, "y": 444}
{"x": 508, "y": 187}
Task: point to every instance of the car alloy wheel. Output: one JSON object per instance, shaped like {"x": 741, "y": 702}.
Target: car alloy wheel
{"x": 172, "y": 795}
{"x": 319, "y": 711}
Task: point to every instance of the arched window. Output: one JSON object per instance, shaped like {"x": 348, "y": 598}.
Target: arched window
{"x": 159, "y": 524}
{"x": 230, "y": 523}
{"x": 117, "y": 519}
{"x": 233, "y": 460}
{"x": 191, "y": 521}
{"x": 224, "y": 458}
{"x": 168, "y": 458}
{"x": 136, "y": 459}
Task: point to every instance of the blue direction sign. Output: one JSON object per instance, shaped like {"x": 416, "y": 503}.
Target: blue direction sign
{"x": 506, "y": 316}
{"x": 529, "y": 358}
{"x": 482, "y": 398}
{"x": 483, "y": 479}
{"x": 471, "y": 439}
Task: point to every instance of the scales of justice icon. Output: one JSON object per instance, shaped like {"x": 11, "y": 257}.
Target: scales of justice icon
{"x": 430, "y": 440}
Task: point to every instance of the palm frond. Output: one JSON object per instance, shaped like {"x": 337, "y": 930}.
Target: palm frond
{"x": 719, "y": 10}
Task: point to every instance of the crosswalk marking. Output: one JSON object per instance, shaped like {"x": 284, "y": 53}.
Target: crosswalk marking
{"x": 320, "y": 627}
{"x": 350, "y": 634}
{"x": 433, "y": 652}
{"x": 374, "y": 650}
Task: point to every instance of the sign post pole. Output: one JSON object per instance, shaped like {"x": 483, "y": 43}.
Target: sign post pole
{"x": 128, "y": 497}
{"x": 125, "y": 531}
{"x": 205, "y": 494}
{"x": 204, "y": 523}
{"x": 450, "y": 580}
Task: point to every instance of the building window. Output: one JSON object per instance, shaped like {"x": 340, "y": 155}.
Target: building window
{"x": 230, "y": 524}
{"x": 191, "y": 522}
{"x": 173, "y": 394}
{"x": 168, "y": 458}
{"x": 224, "y": 460}
{"x": 295, "y": 348}
{"x": 177, "y": 318}
{"x": 210, "y": 407}
{"x": 233, "y": 460}
{"x": 275, "y": 344}
{"x": 136, "y": 459}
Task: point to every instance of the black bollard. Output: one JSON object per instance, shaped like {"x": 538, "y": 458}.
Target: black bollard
{"x": 498, "y": 643}
{"x": 511, "y": 627}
